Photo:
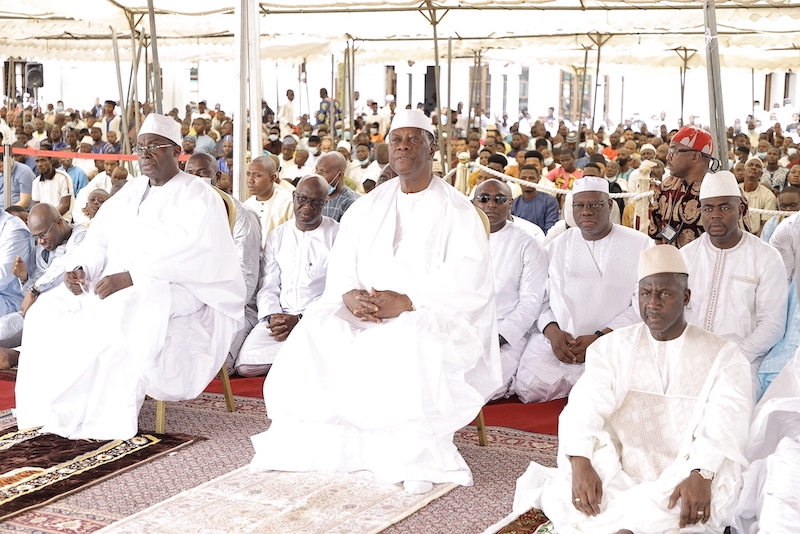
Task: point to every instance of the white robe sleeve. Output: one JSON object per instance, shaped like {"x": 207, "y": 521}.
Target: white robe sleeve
{"x": 531, "y": 294}
{"x": 269, "y": 296}
{"x": 772, "y": 295}
{"x": 784, "y": 240}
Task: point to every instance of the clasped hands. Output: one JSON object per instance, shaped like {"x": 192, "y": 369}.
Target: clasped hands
{"x": 566, "y": 348}
{"x": 694, "y": 493}
{"x": 376, "y": 305}
{"x": 281, "y": 325}
{"x": 107, "y": 286}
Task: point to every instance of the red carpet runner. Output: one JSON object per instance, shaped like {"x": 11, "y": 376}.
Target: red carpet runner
{"x": 511, "y": 413}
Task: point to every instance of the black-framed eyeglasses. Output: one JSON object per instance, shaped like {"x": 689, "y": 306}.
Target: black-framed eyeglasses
{"x": 790, "y": 207}
{"x": 43, "y": 235}
{"x": 305, "y": 200}
{"x": 715, "y": 163}
{"x": 593, "y": 206}
{"x": 140, "y": 150}
{"x": 485, "y": 198}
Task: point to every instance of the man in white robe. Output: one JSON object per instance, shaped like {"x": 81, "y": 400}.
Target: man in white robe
{"x": 292, "y": 275}
{"x": 769, "y": 501}
{"x": 786, "y": 239}
{"x": 401, "y": 350}
{"x": 151, "y": 302}
{"x": 738, "y": 281}
{"x": 590, "y": 291}
{"x": 272, "y": 204}
{"x": 286, "y": 115}
{"x": 56, "y": 241}
{"x": 519, "y": 267}
{"x": 652, "y": 440}
{"x": 246, "y": 240}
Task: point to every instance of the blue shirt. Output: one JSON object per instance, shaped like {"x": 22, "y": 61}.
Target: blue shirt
{"x": 15, "y": 240}
{"x": 79, "y": 178}
{"x": 22, "y": 178}
{"x": 541, "y": 211}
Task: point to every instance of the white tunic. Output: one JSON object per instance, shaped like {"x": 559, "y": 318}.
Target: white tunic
{"x": 519, "y": 266}
{"x": 273, "y": 212}
{"x": 101, "y": 181}
{"x": 86, "y": 364}
{"x": 786, "y": 239}
{"x": 293, "y": 275}
{"x": 425, "y": 373}
{"x": 646, "y": 413}
{"x": 53, "y": 190}
{"x": 739, "y": 293}
{"x": 591, "y": 286}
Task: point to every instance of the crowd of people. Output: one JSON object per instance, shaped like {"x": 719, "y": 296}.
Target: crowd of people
{"x": 351, "y": 248}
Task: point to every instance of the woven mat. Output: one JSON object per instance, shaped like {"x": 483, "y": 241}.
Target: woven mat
{"x": 37, "y": 468}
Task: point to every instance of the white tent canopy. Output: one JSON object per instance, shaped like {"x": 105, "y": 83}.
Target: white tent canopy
{"x": 761, "y": 35}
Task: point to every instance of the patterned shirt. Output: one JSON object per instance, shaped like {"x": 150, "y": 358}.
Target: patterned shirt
{"x": 678, "y": 206}
{"x": 775, "y": 179}
{"x": 336, "y": 206}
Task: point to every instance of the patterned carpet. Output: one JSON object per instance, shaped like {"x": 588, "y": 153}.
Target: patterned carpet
{"x": 227, "y": 447}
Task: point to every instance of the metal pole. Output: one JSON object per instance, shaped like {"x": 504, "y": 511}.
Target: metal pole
{"x": 716, "y": 113}
{"x": 753, "y": 92}
{"x": 622, "y": 102}
{"x": 156, "y": 68}
{"x": 450, "y": 124}
{"x": 580, "y": 105}
{"x": 599, "y": 40}
{"x": 125, "y": 146}
{"x": 240, "y": 122}
{"x": 7, "y": 165}
{"x": 253, "y": 48}
{"x": 436, "y": 76}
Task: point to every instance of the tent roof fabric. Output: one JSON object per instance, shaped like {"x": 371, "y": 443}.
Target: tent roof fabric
{"x": 752, "y": 33}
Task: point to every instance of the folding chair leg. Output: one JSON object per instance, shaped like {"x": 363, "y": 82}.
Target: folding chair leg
{"x": 226, "y": 388}
{"x": 480, "y": 423}
{"x": 161, "y": 416}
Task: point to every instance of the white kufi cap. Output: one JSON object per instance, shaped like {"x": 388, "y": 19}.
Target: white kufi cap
{"x": 87, "y": 140}
{"x": 719, "y": 184}
{"x": 590, "y": 183}
{"x": 661, "y": 259}
{"x": 411, "y": 118}
{"x": 162, "y": 125}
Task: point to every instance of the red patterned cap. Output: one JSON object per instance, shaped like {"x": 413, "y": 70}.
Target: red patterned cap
{"x": 695, "y": 138}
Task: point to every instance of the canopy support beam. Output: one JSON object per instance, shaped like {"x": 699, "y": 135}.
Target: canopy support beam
{"x": 716, "y": 115}
{"x": 598, "y": 39}
{"x": 437, "y": 75}
{"x": 582, "y": 76}
{"x": 156, "y": 68}
{"x": 125, "y": 141}
{"x": 685, "y": 54}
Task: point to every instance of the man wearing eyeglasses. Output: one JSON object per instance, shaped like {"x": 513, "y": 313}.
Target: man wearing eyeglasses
{"x": 675, "y": 218}
{"x": 55, "y": 240}
{"x": 519, "y": 268}
{"x": 292, "y": 275}
{"x": 152, "y": 300}
{"x": 591, "y": 289}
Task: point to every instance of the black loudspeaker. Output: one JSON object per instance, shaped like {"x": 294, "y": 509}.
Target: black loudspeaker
{"x": 34, "y": 75}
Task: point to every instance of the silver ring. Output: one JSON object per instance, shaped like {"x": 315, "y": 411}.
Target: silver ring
{"x": 577, "y": 499}
{"x": 700, "y": 512}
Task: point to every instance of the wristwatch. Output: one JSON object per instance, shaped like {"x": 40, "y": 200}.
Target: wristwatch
{"x": 35, "y": 292}
{"x": 705, "y": 473}
{"x": 599, "y": 333}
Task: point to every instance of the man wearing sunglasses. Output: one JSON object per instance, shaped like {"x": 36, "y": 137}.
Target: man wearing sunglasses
{"x": 152, "y": 299}
{"x": 675, "y": 218}
{"x": 292, "y": 275}
{"x": 591, "y": 287}
{"x": 519, "y": 268}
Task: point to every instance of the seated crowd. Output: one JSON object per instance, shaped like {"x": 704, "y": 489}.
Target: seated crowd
{"x": 715, "y": 293}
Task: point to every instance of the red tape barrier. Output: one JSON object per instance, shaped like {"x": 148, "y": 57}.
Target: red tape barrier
{"x": 81, "y": 155}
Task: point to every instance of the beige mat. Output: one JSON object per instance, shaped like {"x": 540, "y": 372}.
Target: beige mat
{"x": 267, "y": 502}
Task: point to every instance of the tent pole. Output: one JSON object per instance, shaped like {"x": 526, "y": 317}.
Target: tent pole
{"x": 685, "y": 54}
{"x": 622, "y": 102}
{"x": 253, "y": 47}
{"x": 598, "y": 39}
{"x": 580, "y": 105}
{"x": 436, "y": 76}
{"x": 240, "y": 122}
{"x": 450, "y": 125}
{"x": 126, "y": 149}
{"x": 7, "y": 179}
{"x": 716, "y": 113}
{"x": 753, "y": 92}
{"x": 156, "y": 67}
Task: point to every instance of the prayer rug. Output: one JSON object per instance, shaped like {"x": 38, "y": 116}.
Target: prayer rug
{"x": 531, "y": 522}
{"x": 38, "y": 468}
{"x": 249, "y": 501}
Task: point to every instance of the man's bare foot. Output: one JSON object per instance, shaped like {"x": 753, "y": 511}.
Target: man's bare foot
{"x": 8, "y": 358}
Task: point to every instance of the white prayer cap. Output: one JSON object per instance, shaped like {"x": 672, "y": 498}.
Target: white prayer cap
{"x": 661, "y": 259}
{"x": 87, "y": 140}
{"x": 411, "y": 118}
{"x": 647, "y": 146}
{"x": 719, "y": 184}
{"x": 389, "y": 98}
{"x": 590, "y": 183}
{"x": 756, "y": 159}
{"x": 162, "y": 125}
{"x": 344, "y": 144}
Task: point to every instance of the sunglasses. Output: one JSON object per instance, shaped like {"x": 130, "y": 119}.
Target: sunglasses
{"x": 498, "y": 199}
